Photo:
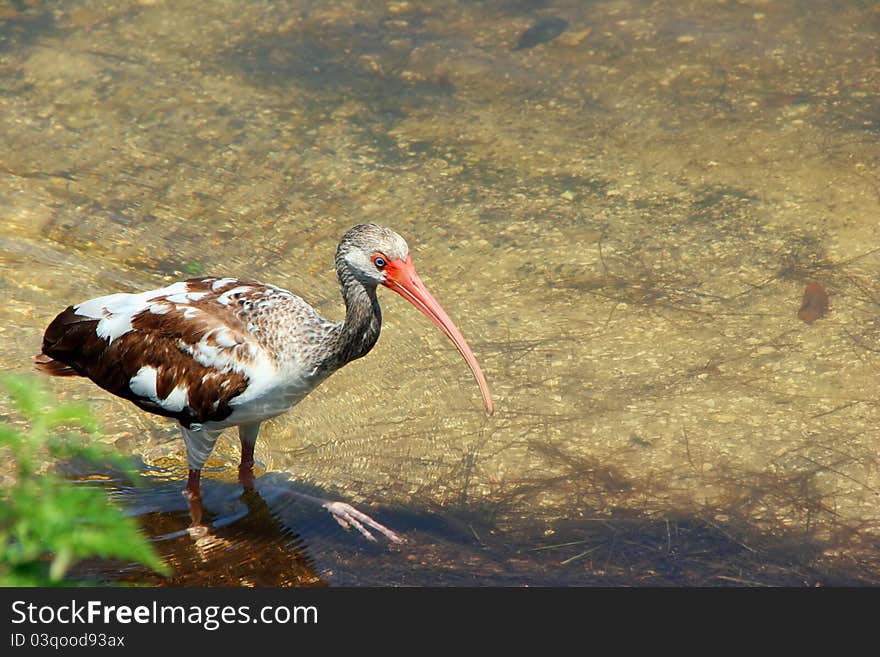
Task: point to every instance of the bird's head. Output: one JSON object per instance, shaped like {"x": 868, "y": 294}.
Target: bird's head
{"x": 376, "y": 255}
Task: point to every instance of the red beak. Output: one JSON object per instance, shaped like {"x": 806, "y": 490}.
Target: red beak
{"x": 401, "y": 276}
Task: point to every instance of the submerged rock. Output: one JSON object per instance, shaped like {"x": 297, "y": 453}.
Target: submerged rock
{"x": 541, "y": 32}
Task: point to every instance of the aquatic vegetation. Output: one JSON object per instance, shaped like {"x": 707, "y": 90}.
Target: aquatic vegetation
{"x": 48, "y": 523}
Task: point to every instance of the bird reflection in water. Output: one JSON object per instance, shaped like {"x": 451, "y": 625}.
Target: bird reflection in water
{"x": 265, "y": 534}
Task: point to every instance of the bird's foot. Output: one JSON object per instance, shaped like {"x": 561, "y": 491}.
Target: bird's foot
{"x": 347, "y": 516}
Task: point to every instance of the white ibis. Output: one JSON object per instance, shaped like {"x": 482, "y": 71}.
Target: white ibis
{"x": 220, "y": 352}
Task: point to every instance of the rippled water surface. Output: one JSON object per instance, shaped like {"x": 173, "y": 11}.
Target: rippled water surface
{"x": 620, "y": 203}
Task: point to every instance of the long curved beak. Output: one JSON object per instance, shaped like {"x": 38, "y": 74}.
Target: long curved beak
{"x": 401, "y": 276}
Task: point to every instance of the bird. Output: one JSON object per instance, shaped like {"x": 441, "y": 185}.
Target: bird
{"x": 213, "y": 353}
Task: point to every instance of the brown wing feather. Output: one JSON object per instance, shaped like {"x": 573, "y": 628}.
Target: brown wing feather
{"x": 169, "y": 342}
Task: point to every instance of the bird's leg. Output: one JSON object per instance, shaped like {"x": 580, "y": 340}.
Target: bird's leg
{"x": 199, "y": 444}
{"x": 247, "y": 434}
{"x": 192, "y": 489}
{"x": 194, "y": 497}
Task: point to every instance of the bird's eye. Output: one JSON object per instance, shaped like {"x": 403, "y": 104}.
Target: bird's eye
{"x": 379, "y": 261}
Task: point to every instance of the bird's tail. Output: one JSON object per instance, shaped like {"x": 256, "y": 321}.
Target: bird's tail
{"x": 48, "y": 365}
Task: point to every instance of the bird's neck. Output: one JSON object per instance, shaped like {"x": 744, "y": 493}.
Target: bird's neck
{"x": 355, "y": 336}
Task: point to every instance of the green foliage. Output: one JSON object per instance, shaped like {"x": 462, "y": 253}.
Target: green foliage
{"x": 194, "y": 267}
{"x": 47, "y": 522}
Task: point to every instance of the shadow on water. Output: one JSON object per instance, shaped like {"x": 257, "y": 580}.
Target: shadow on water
{"x": 22, "y": 23}
{"x": 270, "y": 537}
{"x": 336, "y": 64}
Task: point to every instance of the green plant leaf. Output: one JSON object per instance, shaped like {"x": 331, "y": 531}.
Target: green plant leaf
{"x": 48, "y": 523}
{"x": 29, "y": 399}
{"x": 9, "y": 436}
{"x": 71, "y": 415}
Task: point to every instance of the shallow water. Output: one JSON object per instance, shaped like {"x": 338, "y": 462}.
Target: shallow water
{"x": 621, "y": 216}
